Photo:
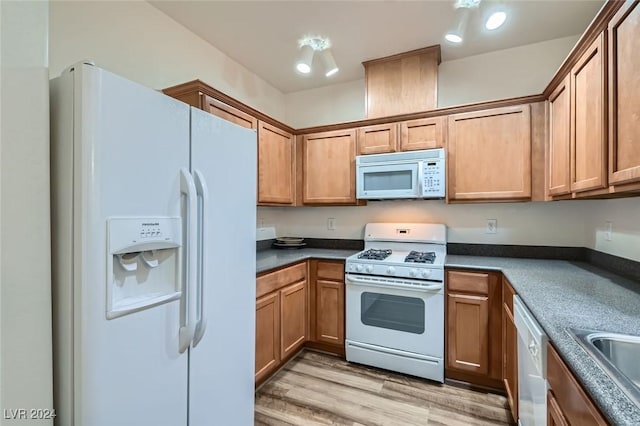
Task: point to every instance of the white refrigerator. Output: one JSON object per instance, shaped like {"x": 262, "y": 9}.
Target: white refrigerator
{"x": 153, "y": 218}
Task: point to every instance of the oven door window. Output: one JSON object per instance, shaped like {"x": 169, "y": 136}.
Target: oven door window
{"x": 400, "y": 313}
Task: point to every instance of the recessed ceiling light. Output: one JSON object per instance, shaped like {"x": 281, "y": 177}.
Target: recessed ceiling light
{"x": 495, "y": 20}
{"x": 453, "y": 38}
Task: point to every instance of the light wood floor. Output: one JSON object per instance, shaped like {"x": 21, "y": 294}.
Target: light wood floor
{"x": 320, "y": 389}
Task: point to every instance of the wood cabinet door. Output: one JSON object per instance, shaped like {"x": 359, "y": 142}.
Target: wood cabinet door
{"x": 468, "y": 330}
{"x": 276, "y": 165}
{"x": 330, "y": 312}
{"x": 624, "y": 95}
{"x": 267, "y": 335}
{"x": 489, "y": 154}
{"x": 559, "y": 162}
{"x": 228, "y": 112}
{"x": 377, "y": 139}
{"x": 510, "y": 359}
{"x": 588, "y": 125}
{"x": 424, "y": 133}
{"x": 293, "y": 317}
{"x": 555, "y": 417}
{"x": 329, "y": 171}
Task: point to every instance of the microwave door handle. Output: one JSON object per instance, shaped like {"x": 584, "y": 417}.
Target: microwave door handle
{"x": 420, "y": 179}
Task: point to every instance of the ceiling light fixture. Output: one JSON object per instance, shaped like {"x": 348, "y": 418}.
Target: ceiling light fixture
{"x": 463, "y": 9}
{"x": 330, "y": 66}
{"x": 456, "y": 35}
{"x": 495, "y": 20}
{"x": 306, "y": 57}
{"x": 310, "y": 45}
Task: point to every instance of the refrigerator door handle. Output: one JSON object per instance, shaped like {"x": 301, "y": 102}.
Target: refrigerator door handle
{"x": 187, "y": 187}
{"x": 203, "y": 193}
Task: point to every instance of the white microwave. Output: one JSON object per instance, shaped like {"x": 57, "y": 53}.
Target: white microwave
{"x": 412, "y": 174}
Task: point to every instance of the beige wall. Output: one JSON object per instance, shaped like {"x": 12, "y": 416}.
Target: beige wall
{"x": 518, "y": 223}
{"x": 137, "y": 41}
{"x": 326, "y": 105}
{"x": 624, "y": 215}
{"x": 25, "y": 270}
{"x": 520, "y": 71}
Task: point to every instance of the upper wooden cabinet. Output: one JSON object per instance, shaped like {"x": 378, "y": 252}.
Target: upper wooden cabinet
{"x": 276, "y": 165}
{"x": 329, "y": 174}
{"x": 624, "y": 95}
{"x": 424, "y": 133}
{"x": 588, "y": 119}
{"x": 559, "y": 165}
{"x": 378, "y": 139}
{"x": 489, "y": 155}
{"x": 228, "y": 112}
{"x": 402, "y": 83}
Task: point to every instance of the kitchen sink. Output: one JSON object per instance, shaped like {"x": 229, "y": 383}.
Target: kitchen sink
{"x": 617, "y": 354}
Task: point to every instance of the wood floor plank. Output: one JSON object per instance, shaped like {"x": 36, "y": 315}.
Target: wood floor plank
{"x": 320, "y": 389}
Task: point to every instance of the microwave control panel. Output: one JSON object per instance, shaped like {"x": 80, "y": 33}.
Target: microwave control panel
{"x": 433, "y": 178}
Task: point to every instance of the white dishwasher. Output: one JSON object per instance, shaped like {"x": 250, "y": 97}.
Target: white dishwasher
{"x": 532, "y": 367}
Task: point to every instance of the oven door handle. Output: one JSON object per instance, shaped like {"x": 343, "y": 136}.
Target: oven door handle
{"x": 418, "y": 288}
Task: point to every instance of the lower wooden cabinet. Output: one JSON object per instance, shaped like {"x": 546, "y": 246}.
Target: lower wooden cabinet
{"x": 293, "y": 317}
{"x": 510, "y": 348}
{"x": 474, "y": 327}
{"x": 569, "y": 402}
{"x": 281, "y": 317}
{"x": 327, "y": 305}
{"x": 267, "y": 335}
{"x": 297, "y": 306}
{"x": 555, "y": 417}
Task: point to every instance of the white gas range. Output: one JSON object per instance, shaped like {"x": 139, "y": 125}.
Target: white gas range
{"x": 395, "y": 299}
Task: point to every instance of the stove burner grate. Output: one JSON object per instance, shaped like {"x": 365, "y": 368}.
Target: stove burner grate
{"x": 375, "y": 254}
{"x": 420, "y": 257}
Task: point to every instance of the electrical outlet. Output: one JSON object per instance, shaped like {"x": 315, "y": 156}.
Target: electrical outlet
{"x": 492, "y": 226}
{"x": 331, "y": 224}
{"x": 261, "y": 222}
{"x": 608, "y": 230}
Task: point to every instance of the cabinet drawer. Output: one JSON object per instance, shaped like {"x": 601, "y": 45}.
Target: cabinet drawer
{"x": 270, "y": 282}
{"x": 331, "y": 270}
{"x": 571, "y": 398}
{"x": 468, "y": 282}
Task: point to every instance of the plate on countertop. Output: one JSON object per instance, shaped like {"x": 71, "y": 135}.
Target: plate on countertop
{"x": 289, "y": 240}
{"x": 288, "y": 245}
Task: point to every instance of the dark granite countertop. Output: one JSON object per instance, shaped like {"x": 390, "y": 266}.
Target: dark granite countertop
{"x": 269, "y": 259}
{"x": 565, "y": 294}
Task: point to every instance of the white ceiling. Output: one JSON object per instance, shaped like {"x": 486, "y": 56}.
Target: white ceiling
{"x": 263, "y": 35}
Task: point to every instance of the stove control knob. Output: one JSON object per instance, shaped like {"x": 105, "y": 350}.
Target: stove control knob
{"x": 358, "y": 268}
{"x": 413, "y": 272}
{"x": 369, "y": 269}
{"x": 391, "y": 270}
{"x": 426, "y": 273}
